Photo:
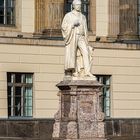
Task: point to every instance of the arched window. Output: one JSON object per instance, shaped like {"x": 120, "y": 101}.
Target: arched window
{"x": 85, "y": 8}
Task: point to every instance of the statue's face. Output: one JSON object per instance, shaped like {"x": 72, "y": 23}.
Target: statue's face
{"x": 77, "y": 7}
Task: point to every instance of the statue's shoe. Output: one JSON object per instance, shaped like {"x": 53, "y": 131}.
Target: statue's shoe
{"x": 75, "y": 74}
{"x": 91, "y": 76}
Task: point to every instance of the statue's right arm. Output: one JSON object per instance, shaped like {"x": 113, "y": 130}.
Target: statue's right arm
{"x": 67, "y": 23}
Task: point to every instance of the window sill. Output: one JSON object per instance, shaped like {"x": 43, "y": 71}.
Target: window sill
{"x": 6, "y": 25}
{"x": 9, "y": 28}
{"x": 20, "y": 118}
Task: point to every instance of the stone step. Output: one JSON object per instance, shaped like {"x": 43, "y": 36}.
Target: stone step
{"x": 124, "y": 138}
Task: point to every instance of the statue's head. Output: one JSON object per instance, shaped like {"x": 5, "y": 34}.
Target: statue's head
{"x": 77, "y": 5}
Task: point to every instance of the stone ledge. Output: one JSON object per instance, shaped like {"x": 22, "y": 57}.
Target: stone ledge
{"x": 112, "y": 128}
{"x": 79, "y": 83}
{"x": 60, "y": 43}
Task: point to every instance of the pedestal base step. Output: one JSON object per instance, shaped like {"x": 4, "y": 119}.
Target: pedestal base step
{"x": 81, "y": 139}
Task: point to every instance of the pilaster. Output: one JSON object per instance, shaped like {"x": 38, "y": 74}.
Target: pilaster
{"x": 113, "y": 28}
{"x": 39, "y": 16}
{"x": 92, "y": 16}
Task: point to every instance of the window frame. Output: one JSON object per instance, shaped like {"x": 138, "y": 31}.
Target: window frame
{"x": 13, "y": 84}
{"x": 103, "y": 97}
{"x": 5, "y": 16}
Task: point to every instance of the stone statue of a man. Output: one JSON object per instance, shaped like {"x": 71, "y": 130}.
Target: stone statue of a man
{"x": 78, "y": 54}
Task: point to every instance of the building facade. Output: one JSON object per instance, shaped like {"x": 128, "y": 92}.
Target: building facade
{"x": 32, "y": 63}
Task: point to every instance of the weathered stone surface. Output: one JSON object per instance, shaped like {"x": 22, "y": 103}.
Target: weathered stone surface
{"x": 122, "y": 129}
{"x": 26, "y": 129}
{"x": 109, "y": 128}
{"x": 117, "y": 127}
{"x": 126, "y": 128}
{"x": 80, "y": 115}
{"x": 21, "y": 129}
{"x": 45, "y": 129}
{"x": 136, "y": 126}
{"x": 113, "y": 129}
{"x": 3, "y": 128}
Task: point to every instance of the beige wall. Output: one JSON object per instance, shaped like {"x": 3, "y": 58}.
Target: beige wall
{"x": 124, "y": 66}
{"x": 102, "y": 19}
{"x": 28, "y": 16}
{"x": 47, "y": 64}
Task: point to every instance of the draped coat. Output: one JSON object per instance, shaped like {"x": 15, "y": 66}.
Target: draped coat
{"x": 69, "y": 33}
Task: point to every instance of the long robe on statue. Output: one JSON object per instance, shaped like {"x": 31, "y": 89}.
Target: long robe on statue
{"x": 70, "y": 36}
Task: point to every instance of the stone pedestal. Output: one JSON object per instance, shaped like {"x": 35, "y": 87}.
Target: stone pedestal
{"x": 79, "y": 116}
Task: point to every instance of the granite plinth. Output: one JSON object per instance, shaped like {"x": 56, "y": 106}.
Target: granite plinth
{"x": 79, "y": 116}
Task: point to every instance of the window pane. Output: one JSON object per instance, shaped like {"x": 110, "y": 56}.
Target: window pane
{"x": 18, "y": 101}
{"x": 28, "y": 101}
{"x": 18, "y": 78}
{"x": 28, "y": 78}
{"x": 8, "y": 77}
{"x": 107, "y": 112}
{"x": 108, "y": 92}
{"x": 107, "y": 102}
{"x": 28, "y": 96}
{"x": 10, "y": 3}
{"x": 1, "y": 12}
{"x": 9, "y": 101}
{"x": 9, "y": 91}
{"x": 9, "y": 20}
{"x": 139, "y": 23}
{"x": 139, "y": 6}
{"x": 17, "y": 91}
{"x": 28, "y": 92}
{"x": 17, "y": 106}
{"x": 1, "y": 3}
{"x": 17, "y": 111}
{"x": 28, "y": 111}
{"x": 9, "y": 11}
{"x": 9, "y": 111}
{"x": 107, "y": 80}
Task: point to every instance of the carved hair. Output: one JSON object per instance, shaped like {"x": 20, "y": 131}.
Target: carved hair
{"x": 76, "y": 2}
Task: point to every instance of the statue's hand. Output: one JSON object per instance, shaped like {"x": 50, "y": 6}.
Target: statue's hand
{"x": 76, "y": 23}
